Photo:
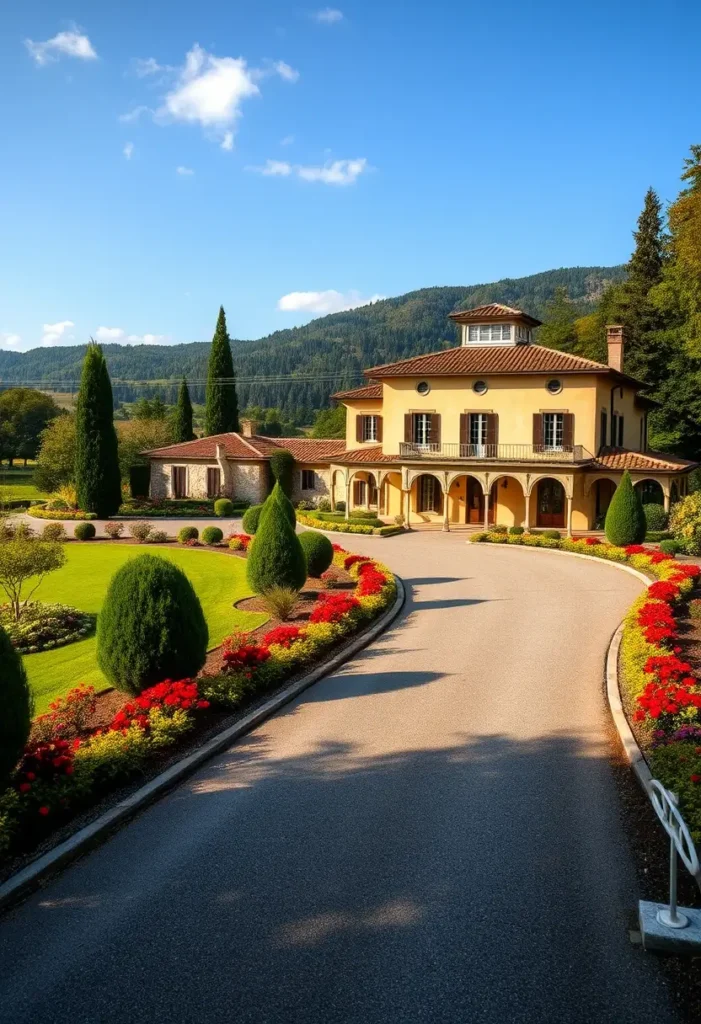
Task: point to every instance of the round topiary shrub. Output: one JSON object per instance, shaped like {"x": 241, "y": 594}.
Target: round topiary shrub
{"x": 516, "y": 531}
{"x": 552, "y": 534}
{"x": 282, "y": 466}
{"x": 319, "y": 552}
{"x": 656, "y": 518}
{"x": 251, "y": 518}
{"x": 212, "y": 535}
{"x": 498, "y": 528}
{"x": 84, "y": 531}
{"x": 671, "y": 547}
{"x": 276, "y": 559}
{"x": 223, "y": 507}
{"x": 17, "y": 708}
{"x": 54, "y": 532}
{"x": 188, "y": 533}
{"x": 151, "y": 626}
{"x": 625, "y": 519}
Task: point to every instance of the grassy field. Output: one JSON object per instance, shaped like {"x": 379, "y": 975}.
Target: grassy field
{"x": 218, "y": 579}
{"x": 16, "y": 486}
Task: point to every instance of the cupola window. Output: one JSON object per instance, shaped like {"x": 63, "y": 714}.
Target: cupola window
{"x": 489, "y": 333}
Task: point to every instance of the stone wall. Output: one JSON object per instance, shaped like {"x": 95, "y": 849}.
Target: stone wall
{"x": 322, "y": 483}
{"x": 244, "y": 481}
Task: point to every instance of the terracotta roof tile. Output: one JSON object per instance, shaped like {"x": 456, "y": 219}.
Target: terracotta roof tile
{"x": 623, "y": 458}
{"x": 255, "y": 449}
{"x": 493, "y": 311}
{"x": 373, "y": 454}
{"x": 473, "y": 360}
{"x": 368, "y": 391}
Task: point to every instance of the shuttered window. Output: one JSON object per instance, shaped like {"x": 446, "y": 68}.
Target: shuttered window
{"x": 213, "y": 482}
{"x": 179, "y": 481}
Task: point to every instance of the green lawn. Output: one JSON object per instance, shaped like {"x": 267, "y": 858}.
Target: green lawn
{"x": 15, "y": 489}
{"x": 219, "y": 580}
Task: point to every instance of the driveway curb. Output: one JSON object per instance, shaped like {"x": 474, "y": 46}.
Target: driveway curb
{"x": 629, "y": 743}
{"x": 29, "y": 878}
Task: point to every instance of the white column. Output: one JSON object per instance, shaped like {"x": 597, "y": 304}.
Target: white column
{"x": 667, "y": 501}
{"x": 407, "y": 518}
{"x": 527, "y": 517}
{"x": 486, "y": 489}
{"x": 347, "y": 497}
{"x": 446, "y": 520}
{"x": 569, "y": 516}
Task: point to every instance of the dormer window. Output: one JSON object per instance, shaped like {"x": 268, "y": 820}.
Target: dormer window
{"x": 485, "y": 334}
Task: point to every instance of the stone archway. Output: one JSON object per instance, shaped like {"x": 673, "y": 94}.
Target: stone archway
{"x": 551, "y": 503}
{"x": 651, "y": 491}
{"x": 507, "y": 499}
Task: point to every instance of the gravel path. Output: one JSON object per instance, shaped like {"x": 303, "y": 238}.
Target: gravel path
{"x": 432, "y": 834}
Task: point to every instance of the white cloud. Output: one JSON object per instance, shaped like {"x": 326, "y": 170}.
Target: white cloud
{"x": 143, "y": 68}
{"x": 135, "y": 114}
{"x": 228, "y": 141}
{"x": 128, "y": 150}
{"x": 285, "y": 71}
{"x": 330, "y": 301}
{"x": 10, "y": 341}
{"x": 336, "y": 172}
{"x": 68, "y": 44}
{"x": 118, "y": 336}
{"x": 54, "y": 333}
{"x": 287, "y": 141}
{"x": 210, "y": 91}
{"x": 185, "y": 172}
{"x": 328, "y": 16}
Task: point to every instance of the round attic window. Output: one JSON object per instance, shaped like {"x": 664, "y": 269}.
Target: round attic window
{"x": 480, "y": 387}
{"x": 423, "y": 387}
{"x": 554, "y": 386}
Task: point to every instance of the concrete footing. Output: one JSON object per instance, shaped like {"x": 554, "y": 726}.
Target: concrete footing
{"x": 660, "y": 937}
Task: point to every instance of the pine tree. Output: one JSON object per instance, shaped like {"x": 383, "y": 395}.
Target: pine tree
{"x": 646, "y": 263}
{"x": 221, "y": 409}
{"x": 558, "y": 331}
{"x": 182, "y": 419}
{"x": 97, "y": 477}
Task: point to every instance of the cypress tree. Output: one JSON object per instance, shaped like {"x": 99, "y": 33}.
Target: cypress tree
{"x": 646, "y": 263}
{"x": 625, "y": 519}
{"x": 182, "y": 421}
{"x": 221, "y": 410}
{"x": 97, "y": 476}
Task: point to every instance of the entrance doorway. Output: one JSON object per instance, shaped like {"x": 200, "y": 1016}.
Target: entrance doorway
{"x": 551, "y": 503}
{"x": 474, "y": 512}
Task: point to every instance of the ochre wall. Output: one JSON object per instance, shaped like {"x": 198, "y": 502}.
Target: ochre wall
{"x": 625, "y": 407}
{"x": 360, "y": 408}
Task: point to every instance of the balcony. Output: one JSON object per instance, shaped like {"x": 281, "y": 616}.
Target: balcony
{"x": 567, "y": 454}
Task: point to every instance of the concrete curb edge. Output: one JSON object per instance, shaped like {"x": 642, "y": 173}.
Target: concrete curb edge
{"x": 30, "y": 877}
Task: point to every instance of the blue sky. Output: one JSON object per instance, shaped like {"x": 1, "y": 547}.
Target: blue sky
{"x": 287, "y": 159}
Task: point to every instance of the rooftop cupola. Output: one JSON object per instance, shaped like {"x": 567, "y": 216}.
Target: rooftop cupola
{"x": 495, "y": 324}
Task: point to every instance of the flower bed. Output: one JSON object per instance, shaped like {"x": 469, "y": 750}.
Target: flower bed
{"x": 347, "y": 526}
{"x": 58, "y": 514}
{"x": 46, "y": 626}
{"x": 660, "y": 691}
{"x": 67, "y": 768}
{"x": 174, "y": 509}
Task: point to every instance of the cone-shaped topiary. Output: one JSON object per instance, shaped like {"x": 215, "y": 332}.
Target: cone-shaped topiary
{"x": 182, "y": 419}
{"x": 251, "y": 519}
{"x": 319, "y": 552}
{"x": 97, "y": 476}
{"x": 282, "y": 465}
{"x": 625, "y": 519}
{"x": 17, "y": 708}
{"x": 276, "y": 559}
{"x": 277, "y": 494}
{"x": 151, "y": 626}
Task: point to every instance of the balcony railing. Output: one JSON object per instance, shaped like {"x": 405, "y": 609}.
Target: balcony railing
{"x": 497, "y": 452}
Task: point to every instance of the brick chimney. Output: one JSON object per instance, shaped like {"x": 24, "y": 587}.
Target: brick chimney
{"x": 614, "y": 338}
{"x": 249, "y": 428}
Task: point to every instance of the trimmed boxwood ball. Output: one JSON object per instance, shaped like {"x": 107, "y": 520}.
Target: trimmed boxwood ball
{"x": 319, "y": 552}
{"x": 223, "y": 507}
{"x": 276, "y": 559}
{"x": 251, "y": 518}
{"x": 625, "y": 519}
{"x": 151, "y": 626}
{"x": 655, "y": 517}
{"x": 671, "y": 547}
{"x": 17, "y": 708}
{"x": 212, "y": 535}
{"x": 84, "y": 531}
{"x": 552, "y": 534}
{"x": 516, "y": 531}
{"x": 188, "y": 533}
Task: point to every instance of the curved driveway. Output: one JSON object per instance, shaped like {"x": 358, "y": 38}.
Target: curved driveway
{"x": 430, "y": 834}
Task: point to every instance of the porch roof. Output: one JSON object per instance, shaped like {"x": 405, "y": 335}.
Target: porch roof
{"x": 651, "y": 461}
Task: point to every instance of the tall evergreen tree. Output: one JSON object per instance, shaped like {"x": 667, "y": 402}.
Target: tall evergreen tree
{"x": 221, "y": 408}
{"x": 97, "y": 477}
{"x": 646, "y": 263}
{"x": 182, "y": 419}
{"x": 558, "y": 330}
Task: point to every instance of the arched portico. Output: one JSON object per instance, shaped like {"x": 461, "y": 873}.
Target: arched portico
{"x": 652, "y": 492}
{"x": 550, "y": 501}
{"x": 507, "y": 496}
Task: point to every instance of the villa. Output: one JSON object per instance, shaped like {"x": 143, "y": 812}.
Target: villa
{"x": 498, "y": 429}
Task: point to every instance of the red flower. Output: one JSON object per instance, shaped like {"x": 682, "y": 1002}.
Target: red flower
{"x": 333, "y": 607}
{"x": 695, "y": 778}
{"x": 635, "y": 549}
{"x": 24, "y": 787}
{"x": 166, "y": 696}
{"x": 43, "y": 811}
{"x": 354, "y": 559}
{"x": 284, "y": 636}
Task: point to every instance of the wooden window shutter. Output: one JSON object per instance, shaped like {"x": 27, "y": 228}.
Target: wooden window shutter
{"x": 408, "y": 427}
{"x": 359, "y": 428}
{"x": 379, "y": 429}
{"x": 568, "y": 430}
{"x": 435, "y": 429}
{"x": 492, "y": 428}
{"x": 464, "y": 428}
{"x": 537, "y": 429}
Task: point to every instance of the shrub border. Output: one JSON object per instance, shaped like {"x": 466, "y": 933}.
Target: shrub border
{"x": 350, "y": 529}
{"x": 30, "y": 877}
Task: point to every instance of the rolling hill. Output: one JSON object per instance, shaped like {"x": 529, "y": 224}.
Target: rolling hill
{"x": 324, "y": 356}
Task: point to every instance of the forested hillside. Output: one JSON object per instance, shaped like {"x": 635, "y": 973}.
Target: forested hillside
{"x": 328, "y": 354}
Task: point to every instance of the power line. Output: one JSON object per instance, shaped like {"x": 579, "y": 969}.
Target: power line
{"x": 55, "y": 385}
